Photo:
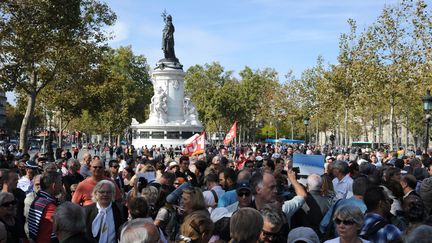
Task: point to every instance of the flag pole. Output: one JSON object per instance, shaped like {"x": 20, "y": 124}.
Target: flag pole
{"x": 235, "y": 142}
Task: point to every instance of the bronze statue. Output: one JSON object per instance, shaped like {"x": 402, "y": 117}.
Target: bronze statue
{"x": 168, "y": 38}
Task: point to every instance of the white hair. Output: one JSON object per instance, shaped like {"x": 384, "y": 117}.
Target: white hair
{"x": 314, "y": 182}
{"x": 136, "y": 231}
{"x": 99, "y": 185}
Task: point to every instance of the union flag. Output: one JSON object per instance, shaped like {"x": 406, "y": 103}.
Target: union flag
{"x": 196, "y": 146}
{"x": 231, "y": 134}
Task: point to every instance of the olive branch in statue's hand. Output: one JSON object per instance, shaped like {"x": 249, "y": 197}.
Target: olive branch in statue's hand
{"x": 164, "y": 14}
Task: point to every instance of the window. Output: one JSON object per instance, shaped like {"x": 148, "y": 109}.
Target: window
{"x": 173, "y": 135}
{"x": 158, "y": 135}
{"x": 186, "y": 135}
{"x": 144, "y": 134}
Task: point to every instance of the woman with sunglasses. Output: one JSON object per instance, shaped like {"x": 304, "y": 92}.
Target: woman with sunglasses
{"x": 7, "y": 216}
{"x": 348, "y": 220}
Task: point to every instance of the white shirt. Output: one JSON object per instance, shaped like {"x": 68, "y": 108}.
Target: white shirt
{"x": 209, "y": 197}
{"x": 337, "y": 240}
{"x": 343, "y": 188}
{"x": 25, "y": 184}
{"x": 122, "y": 165}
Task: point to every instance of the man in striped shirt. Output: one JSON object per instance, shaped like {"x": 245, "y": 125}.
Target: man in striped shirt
{"x": 40, "y": 218}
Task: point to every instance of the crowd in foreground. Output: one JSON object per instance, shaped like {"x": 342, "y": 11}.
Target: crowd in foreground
{"x": 253, "y": 196}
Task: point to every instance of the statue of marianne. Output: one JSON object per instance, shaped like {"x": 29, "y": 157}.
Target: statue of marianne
{"x": 168, "y": 37}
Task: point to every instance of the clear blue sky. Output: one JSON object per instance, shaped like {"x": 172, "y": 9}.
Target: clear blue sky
{"x": 281, "y": 34}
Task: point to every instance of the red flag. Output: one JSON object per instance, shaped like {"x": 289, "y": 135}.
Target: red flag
{"x": 196, "y": 146}
{"x": 231, "y": 134}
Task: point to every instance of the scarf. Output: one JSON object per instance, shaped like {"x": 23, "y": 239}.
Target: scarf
{"x": 99, "y": 224}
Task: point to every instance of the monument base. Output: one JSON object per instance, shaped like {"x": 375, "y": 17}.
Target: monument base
{"x": 173, "y": 117}
{"x": 175, "y": 135}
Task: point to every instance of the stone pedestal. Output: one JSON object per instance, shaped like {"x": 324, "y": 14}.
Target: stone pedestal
{"x": 173, "y": 118}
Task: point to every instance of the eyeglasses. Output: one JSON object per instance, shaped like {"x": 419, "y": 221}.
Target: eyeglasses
{"x": 97, "y": 167}
{"x": 8, "y": 204}
{"x": 270, "y": 235}
{"x": 105, "y": 192}
{"x": 115, "y": 166}
{"x": 242, "y": 194}
{"x": 345, "y": 222}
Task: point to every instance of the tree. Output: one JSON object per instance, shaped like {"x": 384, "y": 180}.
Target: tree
{"x": 211, "y": 89}
{"x": 122, "y": 93}
{"x": 41, "y": 40}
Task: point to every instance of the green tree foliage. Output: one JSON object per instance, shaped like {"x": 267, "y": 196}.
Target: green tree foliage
{"x": 220, "y": 99}
{"x": 41, "y": 41}
{"x": 123, "y": 92}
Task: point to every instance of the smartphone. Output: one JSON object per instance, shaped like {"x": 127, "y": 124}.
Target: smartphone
{"x": 296, "y": 170}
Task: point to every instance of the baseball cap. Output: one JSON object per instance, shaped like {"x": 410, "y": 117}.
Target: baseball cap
{"x": 172, "y": 164}
{"x": 243, "y": 185}
{"x": 304, "y": 234}
{"x": 31, "y": 164}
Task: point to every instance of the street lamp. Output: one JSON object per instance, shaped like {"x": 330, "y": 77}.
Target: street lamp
{"x": 427, "y": 105}
{"x": 306, "y": 123}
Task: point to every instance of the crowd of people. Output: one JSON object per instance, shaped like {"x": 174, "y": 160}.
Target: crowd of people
{"x": 250, "y": 193}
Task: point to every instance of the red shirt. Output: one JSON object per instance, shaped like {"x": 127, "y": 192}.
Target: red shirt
{"x": 83, "y": 193}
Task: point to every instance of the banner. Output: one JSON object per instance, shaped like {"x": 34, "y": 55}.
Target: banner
{"x": 309, "y": 164}
{"x": 231, "y": 134}
{"x": 196, "y": 146}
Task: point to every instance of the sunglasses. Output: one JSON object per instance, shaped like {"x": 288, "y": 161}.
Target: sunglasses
{"x": 115, "y": 166}
{"x": 8, "y": 204}
{"x": 97, "y": 167}
{"x": 270, "y": 235}
{"x": 241, "y": 194}
{"x": 345, "y": 222}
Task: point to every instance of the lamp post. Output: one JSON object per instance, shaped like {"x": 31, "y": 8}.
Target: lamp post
{"x": 427, "y": 105}
{"x": 306, "y": 123}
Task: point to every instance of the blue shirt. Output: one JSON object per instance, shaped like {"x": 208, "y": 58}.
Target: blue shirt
{"x": 388, "y": 233}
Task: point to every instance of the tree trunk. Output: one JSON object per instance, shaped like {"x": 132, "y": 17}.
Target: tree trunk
{"x": 407, "y": 132}
{"x": 31, "y": 102}
{"x": 60, "y": 135}
{"x": 379, "y": 130}
{"x": 392, "y": 124}
{"x": 373, "y": 130}
{"x": 317, "y": 136}
{"x": 366, "y": 134}
{"x": 292, "y": 128}
{"x": 346, "y": 127}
